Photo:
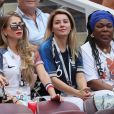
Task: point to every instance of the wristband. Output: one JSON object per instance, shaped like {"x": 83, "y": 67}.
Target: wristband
{"x": 49, "y": 85}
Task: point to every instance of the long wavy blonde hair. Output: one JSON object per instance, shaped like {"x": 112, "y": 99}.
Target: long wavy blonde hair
{"x": 72, "y": 35}
{"x": 24, "y": 49}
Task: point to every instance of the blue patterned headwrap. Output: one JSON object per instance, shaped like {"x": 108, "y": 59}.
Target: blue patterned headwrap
{"x": 98, "y": 15}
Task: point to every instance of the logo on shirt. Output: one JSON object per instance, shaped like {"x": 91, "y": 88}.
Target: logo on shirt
{"x": 10, "y": 66}
{"x": 57, "y": 62}
{"x": 59, "y": 72}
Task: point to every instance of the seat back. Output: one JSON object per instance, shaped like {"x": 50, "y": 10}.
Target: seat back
{"x": 14, "y": 109}
{"x": 70, "y": 112}
{"x": 105, "y": 111}
{"x": 89, "y": 106}
{"x": 48, "y": 107}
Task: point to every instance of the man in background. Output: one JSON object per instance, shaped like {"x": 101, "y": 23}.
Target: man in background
{"x": 1, "y": 4}
{"x": 34, "y": 18}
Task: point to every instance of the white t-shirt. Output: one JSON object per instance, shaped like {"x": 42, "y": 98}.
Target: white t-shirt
{"x": 12, "y": 72}
{"x": 107, "y": 62}
{"x": 11, "y": 69}
{"x": 36, "y": 30}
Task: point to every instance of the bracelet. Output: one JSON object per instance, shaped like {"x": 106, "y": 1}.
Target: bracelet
{"x": 49, "y": 85}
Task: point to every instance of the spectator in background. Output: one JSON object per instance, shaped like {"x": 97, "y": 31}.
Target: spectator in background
{"x": 1, "y": 14}
{"x": 98, "y": 51}
{"x": 58, "y": 53}
{"x": 34, "y": 18}
{"x": 3, "y": 80}
{"x": 1, "y": 3}
{"x": 19, "y": 59}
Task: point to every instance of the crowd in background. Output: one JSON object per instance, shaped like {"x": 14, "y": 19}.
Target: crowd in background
{"x": 38, "y": 54}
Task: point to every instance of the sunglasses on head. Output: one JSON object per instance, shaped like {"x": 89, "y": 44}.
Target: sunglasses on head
{"x": 15, "y": 26}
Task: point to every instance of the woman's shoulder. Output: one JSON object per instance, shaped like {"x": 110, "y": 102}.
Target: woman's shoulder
{"x": 86, "y": 46}
{"x": 47, "y": 44}
{"x": 2, "y": 50}
{"x": 45, "y": 48}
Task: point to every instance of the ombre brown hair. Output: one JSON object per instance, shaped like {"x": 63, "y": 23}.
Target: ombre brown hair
{"x": 23, "y": 47}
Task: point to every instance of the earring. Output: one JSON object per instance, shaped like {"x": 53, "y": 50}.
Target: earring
{"x": 5, "y": 35}
{"x": 92, "y": 36}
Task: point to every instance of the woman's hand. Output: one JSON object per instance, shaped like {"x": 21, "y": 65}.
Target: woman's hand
{"x": 85, "y": 93}
{"x": 57, "y": 98}
{"x": 3, "y": 81}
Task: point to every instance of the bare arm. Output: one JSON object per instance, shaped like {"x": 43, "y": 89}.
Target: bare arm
{"x": 99, "y": 84}
{"x": 82, "y": 85}
{"x": 60, "y": 85}
{"x": 43, "y": 75}
{"x": 81, "y": 81}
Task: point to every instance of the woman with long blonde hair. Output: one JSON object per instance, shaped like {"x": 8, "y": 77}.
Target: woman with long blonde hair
{"x": 60, "y": 57}
{"x": 19, "y": 59}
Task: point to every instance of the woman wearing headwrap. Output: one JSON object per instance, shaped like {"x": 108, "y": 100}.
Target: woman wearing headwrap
{"x": 98, "y": 51}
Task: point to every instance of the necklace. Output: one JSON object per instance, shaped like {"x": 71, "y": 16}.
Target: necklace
{"x": 106, "y": 50}
{"x": 108, "y": 55}
{"x": 68, "y": 78}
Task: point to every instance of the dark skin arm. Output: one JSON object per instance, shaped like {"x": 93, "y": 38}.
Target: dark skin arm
{"x": 99, "y": 84}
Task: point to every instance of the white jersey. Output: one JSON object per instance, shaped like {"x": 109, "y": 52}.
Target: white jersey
{"x": 107, "y": 62}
